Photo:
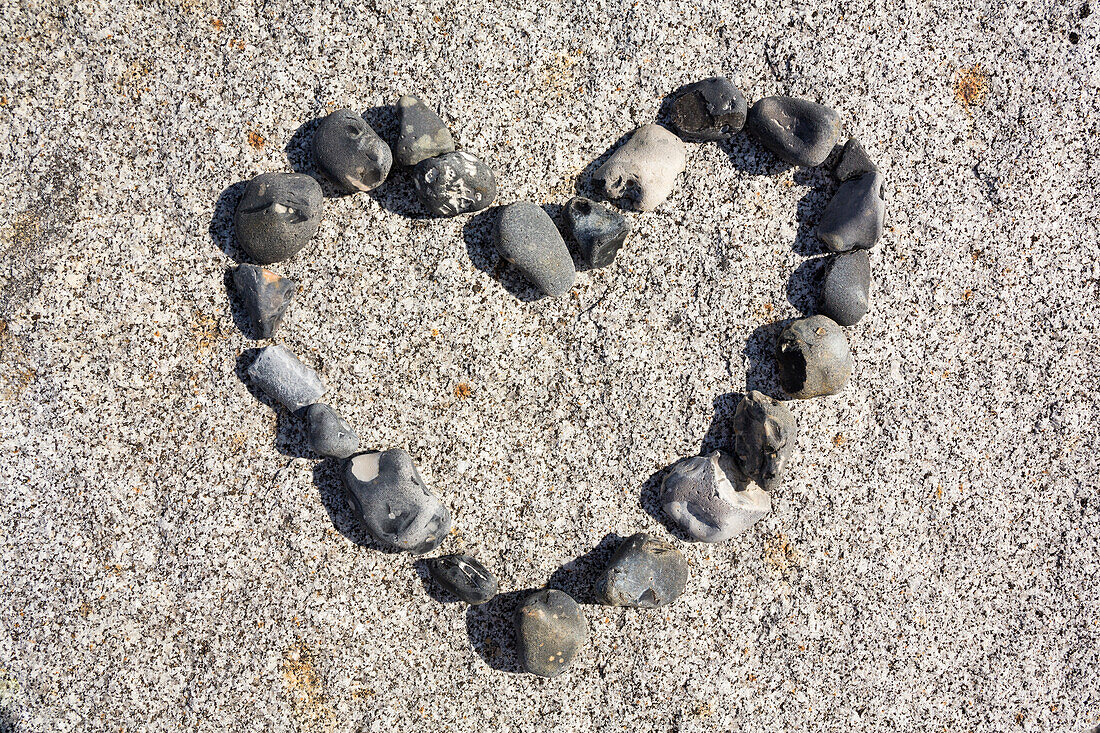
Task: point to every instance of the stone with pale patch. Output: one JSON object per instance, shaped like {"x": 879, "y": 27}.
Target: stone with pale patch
{"x": 350, "y": 153}
{"x": 277, "y": 215}
{"x": 455, "y": 183}
{"x": 764, "y": 436}
{"x": 329, "y": 434}
{"x": 422, "y": 134}
{"x": 709, "y": 499}
{"x": 798, "y": 131}
{"x": 265, "y": 296}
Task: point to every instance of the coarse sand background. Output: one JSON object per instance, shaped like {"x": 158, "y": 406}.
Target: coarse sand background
{"x": 174, "y": 559}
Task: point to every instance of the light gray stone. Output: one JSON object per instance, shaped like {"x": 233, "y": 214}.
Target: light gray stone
{"x": 642, "y": 172}
{"x": 277, "y": 371}
{"x": 709, "y": 499}
{"x": 527, "y": 237}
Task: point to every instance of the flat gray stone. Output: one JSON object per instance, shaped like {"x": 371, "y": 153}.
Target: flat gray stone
{"x": 329, "y": 434}
{"x": 853, "y": 161}
{"x": 277, "y": 371}
{"x": 454, "y": 183}
{"x": 527, "y": 238}
{"x": 709, "y": 499}
{"x": 798, "y": 131}
{"x": 764, "y": 436}
{"x": 644, "y": 572}
{"x": 265, "y": 296}
{"x": 599, "y": 230}
{"x": 854, "y": 217}
{"x": 711, "y": 109}
{"x": 845, "y": 290}
{"x": 277, "y": 215}
{"x": 642, "y": 172}
{"x": 350, "y": 153}
{"x": 463, "y": 577}
{"x": 422, "y": 134}
{"x": 550, "y": 630}
{"x": 814, "y": 358}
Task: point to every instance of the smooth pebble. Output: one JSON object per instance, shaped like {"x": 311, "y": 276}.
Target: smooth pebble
{"x": 845, "y": 290}
{"x": 550, "y": 630}
{"x": 814, "y": 358}
{"x": 277, "y": 215}
{"x": 853, "y": 161}
{"x": 329, "y": 434}
{"x": 853, "y": 218}
{"x": 350, "y": 153}
{"x": 642, "y": 172}
{"x": 527, "y": 238}
{"x": 464, "y": 578}
{"x": 644, "y": 572}
{"x": 422, "y": 134}
{"x": 798, "y": 131}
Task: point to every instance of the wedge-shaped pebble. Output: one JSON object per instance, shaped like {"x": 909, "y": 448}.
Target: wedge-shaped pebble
{"x": 265, "y": 296}
{"x": 854, "y": 217}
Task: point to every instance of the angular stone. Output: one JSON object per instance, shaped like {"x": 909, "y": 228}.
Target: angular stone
{"x": 526, "y": 237}
{"x": 454, "y": 183}
{"x": 844, "y": 292}
{"x": 387, "y": 495}
{"x": 853, "y": 161}
{"x": 350, "y": 153}
{"x": 329, "y": 434}
{"x": 277, "y": 371}
{"x": 642, "y": 172}
{"x": 550, "y": 630}
{"x": 708, "y": 498}
{"x": 277, "y": 215}
{"x": 422, "y": 134}
{"x": 463, "y": 577}
{"x": 814, "y": 358}
{"x": 711, "y": 109}
{"x": 599, "y": 230}
{"x": 798, "y": 131}
{"x": 265, "y": 296}
{"x": 644, "y": 572}
{"x": 854, "y": 217}
{"x": 764, "y": 435}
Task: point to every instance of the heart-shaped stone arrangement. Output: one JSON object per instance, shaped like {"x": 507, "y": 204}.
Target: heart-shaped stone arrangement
{"x": 709, "y": 498}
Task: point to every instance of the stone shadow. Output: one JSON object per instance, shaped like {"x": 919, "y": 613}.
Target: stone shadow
{"x": 719, "y": 435}
{"x": 330, "y": 488}
{"x": 477, "y": 233}
{"x": 222, "y": 229}
{"x": 763, "y": 372}
{"x": 578, "y": 576}
{"x": 649, "y": 496}
{"x": 492, "y": 632}
{"x": 822, "y": 187}
{"x": 805, "y": 283}
{"x": 291, "y": 433}
{"x": 240, "y": 316}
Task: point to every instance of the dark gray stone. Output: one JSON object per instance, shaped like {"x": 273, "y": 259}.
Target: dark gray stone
{"x": 463, "y": 577}
{"x": 454, "y": 183}
{"x": 799, "y": 131}
{"x": 265, "y": 296}
{"x": 550, "y": 630}
{"x": 599, "y": 230}
{"x": 350, "y": 153}
{"x": 277, "y": 371}
{"x": 644, "y": 572}
{"x": 329, "y": 434}
{"x": 642, "y": 172}
{"x": 853, "y": 161}
{"x": 422, "y": 134}
{"x": 710, "y": 500}
{"x": 814, "y": 358}
{"x": 387, "y": 495}
{"x": 526, "y": 237}
{"x": 711, "y": 109}
{"x": 844, "y": 291}
{"x": 764, "y": 435}
{"x": 277, "y": 215}
{"x": 854, "y": 217}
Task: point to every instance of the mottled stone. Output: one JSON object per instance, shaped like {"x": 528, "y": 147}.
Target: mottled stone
{"x": 526, "y": 237}
{"x": 799, "y": 131}
{"x": 550, "y": 630}
{"x": 265, "y": 296}
{"x": 642, "y": 172}
{"x": 599, "y": 230}
{"x": 463, "y": 577}
{"x": 277, "y": 215}
{"x": 709, "y": 499}
{"x": 422, "y": 134}
{"x": 845, "y": 289}
{"x": 387, "y": 495}
{"x": 711, "y": 109}
{"x": 350, "y": 153}
{"x": 854, "y": 217}
{"x": 644, "y": 572}
{"x": 329, "y": 434}
{"x": 853, "y": 161}
{"x": 764, "y": 435}
{"x": 814, "y": 358}
{"x": 277, "y": 371}
{"x": 454, "y": 183}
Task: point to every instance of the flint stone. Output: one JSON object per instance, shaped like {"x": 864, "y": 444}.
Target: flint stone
{"x": 642, "y": 173}
{"x": 350, "y": 153}
{"x": 284, "y": 379}
{"x": 853, "y": 161}
{"x": 550, "y": 630}
{"x": 422, "y": 133}
{"x": 644, "y": 572}
{"x": 798, "y": 131}
{"x": 526, "y": 237}
{"x": 454, "y": 183}
{"x": 277, "y": 215}
{"x": 844, "y": 292}
{"x": 265, "y": 296}
{"x": 711, "y": 109}
{"x": 764, "y": 435}
{"x": 463, "y": 577}
{"x": 854, "y": 217}
{"x": 387, "y": 495}
{"x": 600, "y": 231}
{"x": 329, "y": 434}
{"x": 708, "y": 498}
{"x": 814, "y": 358}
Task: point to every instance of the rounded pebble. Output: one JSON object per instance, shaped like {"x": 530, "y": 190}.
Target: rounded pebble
{"x": 329, "y": 434}
{"x": 711, "y": 109}
{"x": 265, "y": 296}
{"x": 455, "y": 183}
{"x": 642, "y": 172}
{"x": 422, "y": 134}
{"x": 853, "y": 161}
{"x": 814, "y": 358}
{"x": 764, "y": 435}
{"x": 700, "y": 497}
{"x": 527, "y": 238}
{"x": 644, "y": 572}
{"x": 550, "y": 630}
{"x": 845, "y": 289}
{"x": 277, "y": 371}
{"x": 463, "y": 577}
{"x": 798, "y": 131}
{"x": 350, "y": 153}
{"x": 853, "y": 218}
{"x": 277, "y": 215}
{"x": 599, "y": 230}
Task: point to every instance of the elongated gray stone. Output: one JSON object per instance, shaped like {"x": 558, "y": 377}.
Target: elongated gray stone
{"x": 350, "y": 153}
{"x": 387, "y": 495}
{"x": 550, "y": 630}
{"x": 265, "y": 296}
{"x": 711, "y": 109}
{"x": 526, "y": 237}
{"x": 798, "y": 131}
{"x": 814, "y": 358}
{"x": 422, "y": 134}
{"x": 853, "y": 218}
{"x": 642, "y": 172}
{"x": 277, "y": 371}
{"x": 853, "y": 161}
{"x": 846, "y": 287}
{"x": 463, "y": 577}
{"x": 599, "y": 230}
{"x": 709, "y": 499}
{"x": 454, "y": 183}
{"x": 764, "y": 435}
{"x": 277, "y": 215}
{"x": 644, "y": 572}
{"x": 329, "y": 434}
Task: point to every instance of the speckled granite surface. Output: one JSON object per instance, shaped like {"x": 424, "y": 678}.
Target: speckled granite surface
{"x": 175, "y": 560}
